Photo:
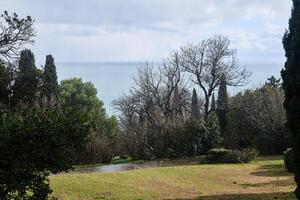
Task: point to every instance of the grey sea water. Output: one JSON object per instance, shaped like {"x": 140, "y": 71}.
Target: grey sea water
{"x": 114, "y": 79}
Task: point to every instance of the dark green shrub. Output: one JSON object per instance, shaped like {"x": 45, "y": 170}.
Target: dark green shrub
{"x": 217, "y": 155}
{"x": 289, "y": 160}
{"x": 221, "y": 155}
{"x": 241, "y": 156}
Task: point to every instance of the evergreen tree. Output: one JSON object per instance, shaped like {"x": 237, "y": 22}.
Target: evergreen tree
{"x": 291, "y": 84}
{"x": 222, "y": 105}
{"x": 5, "y": 81}
{"x": 213, "y": 103}
{"x": 27, "y": 80}
{"x": 273, "y": 82}
{"x": 195, "y": 112}
{"x": 50, "y": 84}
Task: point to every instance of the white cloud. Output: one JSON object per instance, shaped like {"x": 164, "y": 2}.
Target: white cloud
{"x": 118, "y": 30}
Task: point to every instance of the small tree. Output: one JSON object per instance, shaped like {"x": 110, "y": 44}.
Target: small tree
{"x": 195, "y": 108}
{"x": 50, "y": 84}
{"x": 27, "y": 80}
{"x": 222, "y": 104}
{"x": 291, "y": 84}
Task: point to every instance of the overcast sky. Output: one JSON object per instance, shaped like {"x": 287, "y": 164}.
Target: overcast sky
{"x": 138, "y": 30}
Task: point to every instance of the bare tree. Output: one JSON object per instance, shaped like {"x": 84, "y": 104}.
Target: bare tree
{"x": 207, "y": 61}
{"x": 15, "y": 33}
{"x": 151, "y": 109}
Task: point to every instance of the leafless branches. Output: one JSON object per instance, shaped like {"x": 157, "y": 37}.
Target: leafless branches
{"x": 207, "y": 61}
{"x": 15, "y": 33}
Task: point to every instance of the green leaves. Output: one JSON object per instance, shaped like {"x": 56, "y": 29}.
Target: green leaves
{"x": 37, "y": 141}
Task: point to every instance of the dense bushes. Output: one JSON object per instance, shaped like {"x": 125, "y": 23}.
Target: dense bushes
{"x": 289, "y": 160}
{"x": 221, "y": 155}
{"x": 33, "y": 143}
{"x": 76, "y": 94}
{"x": 257, "y": 120}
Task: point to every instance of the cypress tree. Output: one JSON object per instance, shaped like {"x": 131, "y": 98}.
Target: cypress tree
{"x": 222, "y": 104}
{"x": 195, "y": 112}
{"x": 213, "y": 103}
{"x": 27, "y": 80}
{"x": 291, "y": 84}
{"x": 50, "y": 84}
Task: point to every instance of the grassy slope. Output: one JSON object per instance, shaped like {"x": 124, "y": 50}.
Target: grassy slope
{"x": 265, "y": 179}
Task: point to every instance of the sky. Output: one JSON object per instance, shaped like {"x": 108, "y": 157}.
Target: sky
{"x": 92, "y": 31}
{"x": 135, "y": 30}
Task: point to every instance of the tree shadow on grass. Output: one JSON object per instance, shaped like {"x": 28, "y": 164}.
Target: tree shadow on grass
{"x": 275, "y": 183}
{"x": 265, "y": 196}
{"x": 271, "y": 170}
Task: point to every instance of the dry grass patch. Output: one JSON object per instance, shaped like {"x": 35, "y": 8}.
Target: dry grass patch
{"x": 263, "y": 179}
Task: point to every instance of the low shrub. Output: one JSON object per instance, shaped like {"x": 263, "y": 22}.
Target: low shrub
{"x": 289, "y": 160}
{"x": 241, "y": 156}
{"x": 221, "y": 155}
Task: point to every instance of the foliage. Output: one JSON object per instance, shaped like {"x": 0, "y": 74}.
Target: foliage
{"x": 290, "y": 77}
{"x": 257, "y": 120}
{"x": 221, "y": 155}
{"x": 35, "y": 142}
{"x": 82, "y": 96}
{"x": 27, "y": 80}
{"x": 222, "y": 105}
{"x": 213, "y": 135}
{"x": 273, "y": 82}
{"x": 5, "y": 82}
{"x": 38, "y": 134}
{"x": 50, "y": 84}
{"x": 289, "y": 160}
{"x": 195, "y": 107}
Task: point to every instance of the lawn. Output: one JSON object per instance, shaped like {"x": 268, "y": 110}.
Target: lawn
{"x": 260, "y": 180}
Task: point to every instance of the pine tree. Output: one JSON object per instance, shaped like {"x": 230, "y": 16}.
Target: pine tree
{"x": 195, "y": 112}
{"x": 291, "y": 84}
{"x": 222, "y": 105}
{"x": 27, "y": 80}
{"x": 50, "y": 84}
{"x": 213, "y": 103}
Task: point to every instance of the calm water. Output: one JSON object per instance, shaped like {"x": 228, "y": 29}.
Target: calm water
{"x": 113, "y": 79}
{"x": 134, "y": 166}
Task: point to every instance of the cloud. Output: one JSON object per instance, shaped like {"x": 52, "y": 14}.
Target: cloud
{"x": 118, "y": 30}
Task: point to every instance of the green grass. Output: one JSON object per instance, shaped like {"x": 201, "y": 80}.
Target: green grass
{"x": 261, "y": 180}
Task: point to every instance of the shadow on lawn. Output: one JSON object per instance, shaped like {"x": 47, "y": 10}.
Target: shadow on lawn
{"x": 276, "y": 183}
{"x": 266, "y": 196}
{"x": 271, "y": 170}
